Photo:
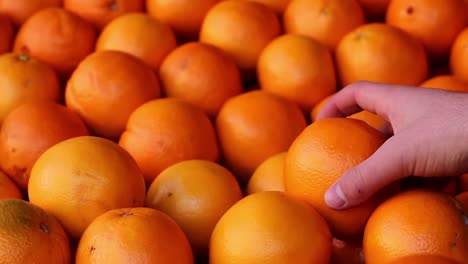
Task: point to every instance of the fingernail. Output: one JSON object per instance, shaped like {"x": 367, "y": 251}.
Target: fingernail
{"x": 334, "y": 197}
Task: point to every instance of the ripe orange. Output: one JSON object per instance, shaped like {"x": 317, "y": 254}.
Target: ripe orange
{"x": 297, "y": 68}
{"x": 8, "y": 189}
{"x": 417, "y": 222}
{"x": 326, "y": 21}
{"x": 424, "y": 259}
{"x": 165, "y": 131}
{"x": 7, "y": 34}
{"x": 28, "y": 234}
{"x": 195, "y": 193}
{"x": 185, "y": 17}
{"x": 346, "y": 253}
{"x": 254, "y": 126}
{"x": 271, "y": 227}
{"x": 194, "y": 71}
{"x": 242, "y": 29}
{"x": 459, "y": 55}
{"x": 435, "y": 22}
{"x": 107, "y": 87}
{"x": 24, "y": 79}
{"x": 80, "y": 178}
{"x": 57, "y": 37}
{"x": 463, "y": 199}
{"x": 375, "y": 10}
{"x": 29, "y": 130}
{"x": 386, "y": 54}
{"x": 446, "y": 82}
{"x": 140, "y": 35}
{"x": 463, "y": 181}
{"x": 101, "y": 12}
{"x": 20, "y": 10}
{"x": 319, "y": 156}
{"x": 279, "y": 6}
{"x": 268, "y": 176}
{"x": 133, "y": 235}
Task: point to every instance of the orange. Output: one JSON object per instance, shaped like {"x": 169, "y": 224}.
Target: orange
{"x": 195, "y": 193}
{"x": 254, "y": 126}
{"x": 446, "y": 82}
{"x": 346, "y": 253}
{"x": 297, "y": 68}
{"x": 271, "y": 227}
{"x": 424, "y": 259}
{"x": 319, "y": 156}
{"x": 165, "y": 131}
{"x": 80, "y": 178}
{"x": 386, "y": 54}
{"x": 24, "y": 79}
{"x": 417, "y": 222}
{"x": 326, "y": 21}
{"x": 7, "y": 34}
{"x": 279, "y": 6}
{"x": 463, "y": 199}
{"x": 29, "y": 130}
{"x": 57, "y": 37}
{"x": 435, "y": 22}
{"x": 268, "y": 176}
{"x": 185, "y": 17}
{"x": 463, "y": 180}
{"x": 459, "y": 55}
{"x": 28, "y": 234}
{"x": 242, "y": 29}
{"x": 140, "y": 35}
{"x": 375, "y": 10}
{"x": 193, "y": 72}
{"x": 133, "y": 235}
{"x": 20, "y": 10}
{"x": 107, "y": 87}
{"x": 101, "y": 12}
{"x": 8, "y": 189}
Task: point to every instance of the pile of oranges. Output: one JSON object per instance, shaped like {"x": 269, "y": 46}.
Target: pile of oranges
{"x": 166, "y": 131}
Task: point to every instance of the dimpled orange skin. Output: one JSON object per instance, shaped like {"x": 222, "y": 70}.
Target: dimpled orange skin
{"x": 446, "y": 82}
{"x": 319, "y": 156}
{"x": 417, "y": 222}
{"x": 424, "y": 259}
{"x": 459, "y": 55}
{"x": 271, "y": 227}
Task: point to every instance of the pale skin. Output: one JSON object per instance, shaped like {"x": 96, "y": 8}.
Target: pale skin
{"x": 428, "y": 137}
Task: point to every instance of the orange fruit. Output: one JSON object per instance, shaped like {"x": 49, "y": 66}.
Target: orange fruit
{"x": 249, "y": 232}
{"x": 107, "y": 87}
{"x": 193, "y": 72}
{"x": 319, "y": 156}
{"x": 20, "y": 10}
{"x": 24, "y": 79}
{"x": 29, "y": 130}
{"x": 424, "y": 259}
{"x": 446, "y": 82}
{"x": 28, "y": 234}
{"x": 8, "y": 188}
{"x": 258, "y": 123}
{"x": 346, "y": 253}
{"x": 459, "y": 55}
{"x": 101, "y": 12}
{"x": 297, "y": 68}
{"x": 279, "y": 6}
{"x": 165, "y": 131}
{"x": 57, "y": 37}
{"x": 386, "y": 54}
{"x": 140, "y": 35}
{"x": 80, "y": 178}
{"x": 185, "y": 17}
{"x": 375, "y": 10}
{"x": 242, "y": 29}
{"x": 436, "y": 23}
{"x": 133, "y": 235}
{"x": 7, "y": 34}
{"x": 463, "y": 181}
{"x": 404, "y": 225}
{"x": 326, "y": 21}
{"x": 463, "y": 199}
{"x": 195, "y": 193}
{"x": 268, "y": 176}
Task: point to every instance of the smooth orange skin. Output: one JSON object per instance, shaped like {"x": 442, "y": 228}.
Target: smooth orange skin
{"x": 459, "y": 55}
{"x": 29, "y": 130}
{"x": 326, "y": 21}
{"x": 80, "y": 178}
{"x": 133, "y": 235}
{"x": 268, "y": 176}
{"x": 253, "y": 126}
{"x": 8, "y": 189}
{"x": 7, "y": 34}
{"x": 20, "y": 10}
{"x": 404, "y": 225}
{"x": 165, "y": 131}
{"x": 446, "y": 82}
{"x": 279, "y": 6}
{"x": 25, "y": 79}
{"x": 193, "y": 72}
{"x": 107, "y": 87}
{"x": 424, "y": 259}
{"x": 381, "y": 53}
{"x": 436, "y": 23}
{"x": 375, "y": 10}
{"x": 271, "y": 227}
{"x": 101, "y": 12}
{"x": 140, "y": 35}
{"x": 57, "y": 37}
